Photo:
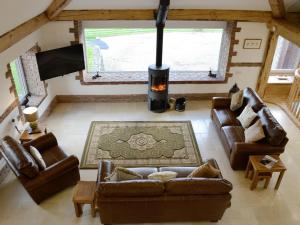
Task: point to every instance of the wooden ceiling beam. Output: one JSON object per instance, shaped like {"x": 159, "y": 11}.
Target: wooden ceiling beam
{"x": 56, "y": 7}
{"x": 174, "y": 14}
{"x": 287, "y": 29}
{"x": 13, "y": 36}
{"x": 278, "y": 9}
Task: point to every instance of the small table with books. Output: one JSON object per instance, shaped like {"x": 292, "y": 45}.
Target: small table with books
{"x": 256, "y": 170}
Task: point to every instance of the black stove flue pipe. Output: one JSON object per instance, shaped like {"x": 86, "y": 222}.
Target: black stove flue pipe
{"x": 160, "y": 25}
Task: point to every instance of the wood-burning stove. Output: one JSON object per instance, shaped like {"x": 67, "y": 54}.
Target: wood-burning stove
{"x": 158, "y": 82}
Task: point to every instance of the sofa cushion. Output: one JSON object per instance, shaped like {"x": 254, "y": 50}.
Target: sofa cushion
{"x": 205, "y": 170}
{"x": 274, "y": 132}
{"x": 236, "y": 100}
{"x": 121, "y": 174}
{"x": 181, "y": 171}
{"x": 225, "y": 117}
{"x": 254, "y": 133}
{"x": 247, "y": 116}
{"x": 52, "y": 155}
{"x": 144, "y": 171}
{"x": 251, "y": 98}
{"x": 197, "y": 186}
{"x": 233, "y": 134}
{"x": 162, "y": 176}
{"x": 20, "y": 159}
{"x": 131, "y": 188}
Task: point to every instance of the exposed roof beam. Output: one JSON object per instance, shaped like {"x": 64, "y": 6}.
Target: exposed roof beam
{"x": 13, "y": 36}
{"x": 56, "y": 7}
{"x": 288, "y": 30}
{"x": 278, "y": 9}
{"x": 174, "y": 14}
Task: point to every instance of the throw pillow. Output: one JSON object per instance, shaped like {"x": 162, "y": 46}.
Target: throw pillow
{"x": 247, "y": 116}
{"x": 162, "y": 176}
{"x": 254, "y": 133}
{"x": 206, "y": 170}
{"x": 121, "y": 174}
{"x": 236, "y": 100}
{"x": 38, "y": 157}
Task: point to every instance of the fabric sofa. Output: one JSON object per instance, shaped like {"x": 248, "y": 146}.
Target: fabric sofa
{"x": 232, "y": 133}
{"x": 62, "y": 171}
{"x": 150, "y": 201}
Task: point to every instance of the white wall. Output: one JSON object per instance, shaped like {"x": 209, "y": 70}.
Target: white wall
{"x": 15, "y": 12}
{"x": 56, "y": 34}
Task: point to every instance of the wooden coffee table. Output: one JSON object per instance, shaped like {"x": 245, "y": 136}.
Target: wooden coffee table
{"x": 258, "y": 171}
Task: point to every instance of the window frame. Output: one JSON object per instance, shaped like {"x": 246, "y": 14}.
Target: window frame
{"x": 150, "y": 24}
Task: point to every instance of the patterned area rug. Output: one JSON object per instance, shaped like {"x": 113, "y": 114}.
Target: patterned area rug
{"x": 141, "y": 143}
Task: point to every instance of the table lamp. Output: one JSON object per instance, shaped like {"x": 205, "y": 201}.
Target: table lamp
{"x": 31, "y": 116}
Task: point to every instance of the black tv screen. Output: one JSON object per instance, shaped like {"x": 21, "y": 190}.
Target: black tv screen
{"x": 61, "y": 61}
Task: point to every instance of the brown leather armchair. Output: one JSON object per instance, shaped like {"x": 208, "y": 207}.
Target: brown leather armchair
{"x": 62, "y": 171}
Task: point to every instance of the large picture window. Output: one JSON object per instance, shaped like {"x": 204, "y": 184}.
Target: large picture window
{"x": 124, "y": 54}
{"x": 114, "y": 50}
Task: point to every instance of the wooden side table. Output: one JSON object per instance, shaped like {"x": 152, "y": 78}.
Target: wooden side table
{"x": 26, "y": 137}
{"x": 258, "y": 171}
{"x": 84, "y": 194}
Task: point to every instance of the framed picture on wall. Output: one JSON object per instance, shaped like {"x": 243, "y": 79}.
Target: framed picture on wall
{"x": 252, "y": 43}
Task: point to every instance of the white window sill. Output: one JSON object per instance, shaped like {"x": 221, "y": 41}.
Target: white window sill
{"x": 142, "y": 77}
{"x": 280, "y": 79}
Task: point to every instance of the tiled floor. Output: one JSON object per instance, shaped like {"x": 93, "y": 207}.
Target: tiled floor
{"x": 70, "y": 123}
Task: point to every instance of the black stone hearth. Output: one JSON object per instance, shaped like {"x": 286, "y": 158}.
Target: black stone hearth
{"x": 158, "y": 73}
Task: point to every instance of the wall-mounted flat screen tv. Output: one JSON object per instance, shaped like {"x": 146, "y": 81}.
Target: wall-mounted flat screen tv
{"x": 61, "y": 61}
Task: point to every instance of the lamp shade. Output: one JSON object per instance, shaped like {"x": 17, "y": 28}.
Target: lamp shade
{"x": 31, "y": 114}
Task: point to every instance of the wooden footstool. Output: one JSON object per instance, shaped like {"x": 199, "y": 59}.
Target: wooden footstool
{"x": 257, "y": 171}
{"x": 84, "y": 194}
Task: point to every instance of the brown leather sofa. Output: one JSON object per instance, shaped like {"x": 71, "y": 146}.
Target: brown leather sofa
{"x": 62, "y": 171}
{"x": 150, "y": 201}
{"x": 232, "y": 133}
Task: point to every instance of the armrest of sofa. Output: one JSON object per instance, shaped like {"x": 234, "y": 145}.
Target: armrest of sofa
{"x": 53, "y": 172}
{"x": 221, "y": 102}
{"x": 241, "y": 151}
{"x": 43, "y": 143}
{"x": 256, "y": 148}
{"x": 214, "y": 163}
{"x": 105, "y": 168}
